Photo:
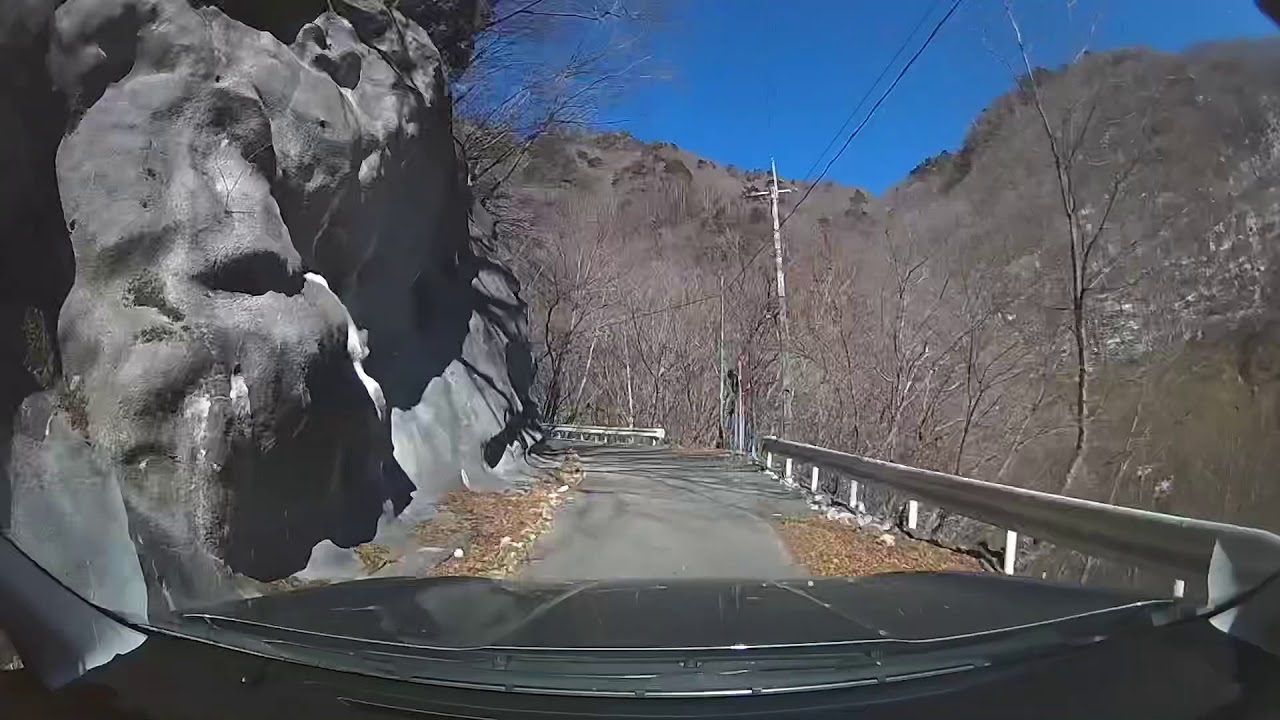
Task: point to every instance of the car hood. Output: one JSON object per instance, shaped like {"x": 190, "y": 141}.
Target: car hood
{"x": 459, "y": 612}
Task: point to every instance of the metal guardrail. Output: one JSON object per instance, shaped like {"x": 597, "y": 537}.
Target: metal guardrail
{"x": 1184, "y": 547}
{"x": 622, "y": 435}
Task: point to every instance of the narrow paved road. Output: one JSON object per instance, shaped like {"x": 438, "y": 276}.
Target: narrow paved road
{"x": 655, "y": 513}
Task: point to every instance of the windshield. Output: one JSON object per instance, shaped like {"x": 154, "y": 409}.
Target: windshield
{"x": 639, "y": 324}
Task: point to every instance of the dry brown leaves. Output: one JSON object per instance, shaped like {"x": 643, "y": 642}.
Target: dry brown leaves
{"x": 830, "y": 549}
{"x": 290, "y": 584}
{"x": 502, "y": 527}
{"x": 373, "y": 557}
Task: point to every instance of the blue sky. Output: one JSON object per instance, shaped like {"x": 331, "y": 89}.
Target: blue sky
{"x": 751, "y": 78}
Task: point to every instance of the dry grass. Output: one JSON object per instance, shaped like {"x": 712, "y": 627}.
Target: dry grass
{"x": 373, "y": 557}
{"x": 502, "y": 527}
{"x": 291, "y": 583}
{"x": 830, "y": 549}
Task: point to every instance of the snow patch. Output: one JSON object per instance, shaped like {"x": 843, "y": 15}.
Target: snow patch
{"x": 240, "y": 397}
{"x": 196, "y": 411}
{"x": 356, "y": 348}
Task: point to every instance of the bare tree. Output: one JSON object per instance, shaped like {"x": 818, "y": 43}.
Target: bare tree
{"x": 915, "y": 352}
{"x": 1088, "y": 263}
{"x": 992, "y": 357}
{"x": 572, "y": 287}
{"x": 540, "y": 66}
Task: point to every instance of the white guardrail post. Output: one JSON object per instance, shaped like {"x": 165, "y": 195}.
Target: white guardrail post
{"x": 786, "y": 474}
{"x": 913, "y": 514}
{"x": 813, "y": 484}
{"x": 1242, "y": 557}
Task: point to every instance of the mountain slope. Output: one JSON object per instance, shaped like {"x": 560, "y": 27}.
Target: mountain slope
{"x": 933, "y": 325}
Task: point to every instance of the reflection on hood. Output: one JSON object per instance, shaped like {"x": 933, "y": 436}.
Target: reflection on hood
{"x": 478, "y": 612}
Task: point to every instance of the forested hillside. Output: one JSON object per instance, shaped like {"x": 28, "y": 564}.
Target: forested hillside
{"x": 940, "y": 325}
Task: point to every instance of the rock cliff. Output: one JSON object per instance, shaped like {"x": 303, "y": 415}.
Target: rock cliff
{"x": 250, "y": 310}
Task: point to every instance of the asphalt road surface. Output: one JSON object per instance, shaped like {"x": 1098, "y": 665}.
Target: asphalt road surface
{"x": 643, "y": 512}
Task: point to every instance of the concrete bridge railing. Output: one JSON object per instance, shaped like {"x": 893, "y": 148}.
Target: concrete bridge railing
{"x": 1227, "y": 558}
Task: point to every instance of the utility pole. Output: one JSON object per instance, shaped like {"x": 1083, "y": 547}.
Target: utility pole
{"x": 741, "y": 414}
{"x": 784, "y": 326}
{"x": 723, "y": 430}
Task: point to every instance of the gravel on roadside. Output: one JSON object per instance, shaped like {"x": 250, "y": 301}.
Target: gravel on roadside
{"x": 500, "y": 527}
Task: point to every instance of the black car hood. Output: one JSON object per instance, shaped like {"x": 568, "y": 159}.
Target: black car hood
{"x": 476, "y": 612}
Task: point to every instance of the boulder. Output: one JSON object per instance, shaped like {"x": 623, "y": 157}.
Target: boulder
{"x": 285, "y": 330}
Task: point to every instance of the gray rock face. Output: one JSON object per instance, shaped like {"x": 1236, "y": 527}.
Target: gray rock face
{"x": 36, "y": 266}
{"x": 207, "y": 168}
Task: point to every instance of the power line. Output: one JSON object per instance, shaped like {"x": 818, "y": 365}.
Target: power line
{"x": 689, "y": 303}
{"x": 883, "y": 72}
{"x": 763, "y": 246}
{"x": 659, "y": 311}
{"x": 870, "y": 89}
{"x": 871, "y": 113}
